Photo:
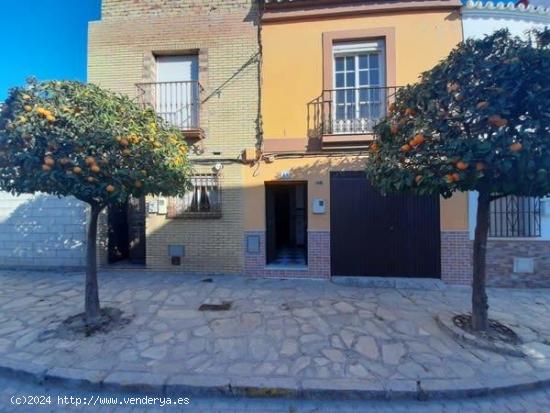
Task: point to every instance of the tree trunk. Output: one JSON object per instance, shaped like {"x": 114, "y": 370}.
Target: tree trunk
{"x": 92, "y": 309}
{"x": 479, "y": 295}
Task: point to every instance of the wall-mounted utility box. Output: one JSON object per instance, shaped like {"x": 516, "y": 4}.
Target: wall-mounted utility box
{"x": 524, "y": 265}
{"x": 176, "y": 253}
{"x": 318, "y": 206}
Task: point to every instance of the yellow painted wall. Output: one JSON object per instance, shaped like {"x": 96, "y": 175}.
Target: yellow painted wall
{"x": 293, "y": 75}
{"x": 316, "y": 171}
{"x": 292, "y": 70}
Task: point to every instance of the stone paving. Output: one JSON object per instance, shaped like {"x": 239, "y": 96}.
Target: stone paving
{"x": 297, "y": 332}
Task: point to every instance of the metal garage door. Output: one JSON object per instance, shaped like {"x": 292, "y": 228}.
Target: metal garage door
{"x": 373, "y": 235}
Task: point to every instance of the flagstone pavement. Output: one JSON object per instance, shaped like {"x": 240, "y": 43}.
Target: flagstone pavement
{"x": 305, "y": 333}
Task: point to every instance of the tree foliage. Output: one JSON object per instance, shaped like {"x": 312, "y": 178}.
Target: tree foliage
{"x": 70, "y": 138}
{"x": 477, "y": 121}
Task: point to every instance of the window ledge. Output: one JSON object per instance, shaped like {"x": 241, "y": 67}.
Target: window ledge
{"x": 197, "y": 215}
{"x": 334, "y": 141}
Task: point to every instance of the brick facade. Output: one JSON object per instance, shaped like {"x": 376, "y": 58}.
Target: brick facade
{"x": 500, "y": 257}
{"x": 456, "y": 257}
{"x": 456, "y": 261}
{"x": 318, "y": 243}
{"x": 122, "y": 49}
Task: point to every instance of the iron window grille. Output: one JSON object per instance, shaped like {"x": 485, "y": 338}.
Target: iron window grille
{"x": 515, "y": 217}
{"x": 203, "y": 200}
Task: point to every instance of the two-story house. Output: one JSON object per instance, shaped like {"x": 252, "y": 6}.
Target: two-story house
{"x": 197, "y": 64}
{"x": 329, "y": 71}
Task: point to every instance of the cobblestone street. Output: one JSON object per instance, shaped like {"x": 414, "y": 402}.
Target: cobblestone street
{"x": 292, "y": 334}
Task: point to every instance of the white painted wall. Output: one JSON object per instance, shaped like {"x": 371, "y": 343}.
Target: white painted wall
{"x": 480, "y": 19}
{"x": 41, "y": 231}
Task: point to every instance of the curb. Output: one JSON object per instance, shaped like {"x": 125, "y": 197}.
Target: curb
{"x": 203, "y": 385}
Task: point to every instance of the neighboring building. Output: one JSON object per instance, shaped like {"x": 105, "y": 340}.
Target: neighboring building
{"x": 197, "y": 63}
{"x": 329, "y": 70}
{"x": 41, "y": 232}
{"x": 519, "y": 246}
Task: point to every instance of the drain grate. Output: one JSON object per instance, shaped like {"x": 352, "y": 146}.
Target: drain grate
{"x": 225, "y": 306}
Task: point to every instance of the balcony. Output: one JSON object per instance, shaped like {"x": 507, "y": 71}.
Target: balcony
{"x": 178, "y": 103}
{"x": 346, "y": 117}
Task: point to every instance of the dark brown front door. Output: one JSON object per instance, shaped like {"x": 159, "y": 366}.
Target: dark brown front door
{"x": 374, "y": 235}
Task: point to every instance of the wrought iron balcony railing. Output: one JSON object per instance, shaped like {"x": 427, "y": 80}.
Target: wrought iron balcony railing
{"x": 178, "y": 103}
{"x": 350, "y": 111}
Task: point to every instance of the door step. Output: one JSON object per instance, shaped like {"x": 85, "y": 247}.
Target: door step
{"x": 391, "y": 282}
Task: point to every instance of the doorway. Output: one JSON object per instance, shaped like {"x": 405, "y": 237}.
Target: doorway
{"x": 286, "y": 224}
{"x": 126, "y": 240}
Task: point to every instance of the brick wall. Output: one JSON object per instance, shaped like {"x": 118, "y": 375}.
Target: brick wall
{"x": 139, "y": 8}
{"x": 41, "y": 231}
{"x": 318, "y": 243}
{"x": 456, "y": 257}
{"x": 122, "y": 47}
{"x": 500, "y": 256}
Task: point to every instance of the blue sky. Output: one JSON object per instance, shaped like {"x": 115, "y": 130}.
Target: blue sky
{"x": 46, "y": 39}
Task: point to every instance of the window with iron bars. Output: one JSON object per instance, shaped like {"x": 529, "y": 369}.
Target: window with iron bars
{"x": 515, "y": 217}
{"x": 203, "y": 200}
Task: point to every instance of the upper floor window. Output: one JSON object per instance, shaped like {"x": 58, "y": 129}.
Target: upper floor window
{"x": 359, "y": 95}
{"x": 515, "y": 217}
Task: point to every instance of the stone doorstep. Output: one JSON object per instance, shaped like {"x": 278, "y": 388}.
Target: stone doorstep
{"x": 276, "y": 387}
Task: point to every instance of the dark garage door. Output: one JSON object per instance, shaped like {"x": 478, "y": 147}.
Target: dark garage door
{"x": 373, "y": 235}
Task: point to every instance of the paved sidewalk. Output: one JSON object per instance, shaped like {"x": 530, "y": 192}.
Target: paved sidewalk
{"x": 307, "y": 337}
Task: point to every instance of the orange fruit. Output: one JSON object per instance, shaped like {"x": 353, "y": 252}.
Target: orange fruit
{"x": 49, "y": 161}
{"x": 406, "y": 148}
{"x": 455, "y": 176}
{"x": 516, "y": 147}
{"x": 497, "y": 120}
{"x": 126, "y": 152}
{"x": 462, "y": 165}
{"x": 95, "y": 169}
{"x": 480, "y": 166}
{"x": 157, "y": 145}
{"x": 482, "y": 105}
{"x": 77, "y": 170}
{"x": 418, "y": 179}
{"x": 410, "y": 112}
{"x": 374, "y": 147}
{"x": 453, "y": 87}
{"x": 46, "y": 168}
{"x": 110, "y": 188}
{"x": 449, "y": 178}
{"x": 124, "y": 142}
{"x": 27, "y": 108}
{"x": 418, "y": 140}
{"x": 392, "y": 107}
{"x": 26, "y": 97}
{"x": 90, "y": 179}
{"x": 90, "y": 160}
{"x": 50, "y": 118}
{"x": 64, "y": 161}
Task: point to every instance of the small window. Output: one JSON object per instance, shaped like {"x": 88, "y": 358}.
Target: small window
{"x": 515, "y": 217}
{"x": 203, "y": 200}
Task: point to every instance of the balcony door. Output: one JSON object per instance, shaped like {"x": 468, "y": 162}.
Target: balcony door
{"x": 359, "y": 95}
{"x": 177, "y": 90}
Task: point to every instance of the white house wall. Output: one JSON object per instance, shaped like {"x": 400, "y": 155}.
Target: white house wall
{"x": 41, "y": 231}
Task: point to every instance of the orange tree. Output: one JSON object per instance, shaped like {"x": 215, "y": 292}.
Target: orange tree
{"x": 69, "y": 138}
{"x": 478, "y": 121}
